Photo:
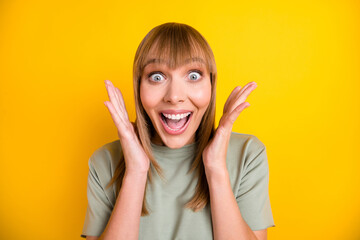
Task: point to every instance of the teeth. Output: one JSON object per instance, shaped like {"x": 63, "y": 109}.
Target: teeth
{"x": 177, "y": 116}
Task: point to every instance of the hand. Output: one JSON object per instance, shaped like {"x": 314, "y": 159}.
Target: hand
{"x": 214, "y": 154}
{"x": 136, "y": 160}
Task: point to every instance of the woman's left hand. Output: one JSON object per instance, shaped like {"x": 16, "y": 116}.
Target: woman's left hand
{"x": 214, "y": 154}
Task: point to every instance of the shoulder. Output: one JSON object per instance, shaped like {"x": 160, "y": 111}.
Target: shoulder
{"x": 244, "y": 150}
{"x": 102, "y": 165}
{"x": 246, "y": 143}
{"x": 105, "y": 159}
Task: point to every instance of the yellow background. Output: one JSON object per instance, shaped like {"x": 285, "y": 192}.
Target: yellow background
{"x": 304, "y": 55}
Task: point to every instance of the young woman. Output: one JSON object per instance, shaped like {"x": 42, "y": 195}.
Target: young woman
{"x": 171, "y": 175}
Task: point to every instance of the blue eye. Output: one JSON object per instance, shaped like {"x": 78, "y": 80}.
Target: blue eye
{"x": 156, "y": 77}
{"x": 194, "y": 76}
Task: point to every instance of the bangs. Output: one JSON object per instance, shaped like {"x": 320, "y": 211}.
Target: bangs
{"x": 175, "y": 46}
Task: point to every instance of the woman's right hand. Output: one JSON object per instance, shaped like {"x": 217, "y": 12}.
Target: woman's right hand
{"x": 136, "y": 160}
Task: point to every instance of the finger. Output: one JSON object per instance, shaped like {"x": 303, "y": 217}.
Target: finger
{"x": 123, "y": 125}
{"x": 241, "y": 97}
{"x": 113, "y": 113}
{"x": 118, "y": 120}
{"x": 250, "y": 84}
{"x": 121, "y": 102}
{"x": 227, "y": 121}
{"x": 234, "y": 102}
{"x": 232, "y": 94}
{"x": 231, "y": 118}
{"x": 120, "y": 107}
{"x": 112, "y": 95}
{"x": 111, "y": 91}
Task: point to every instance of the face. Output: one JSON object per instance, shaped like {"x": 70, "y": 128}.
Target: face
{"x": 175, "y": 100}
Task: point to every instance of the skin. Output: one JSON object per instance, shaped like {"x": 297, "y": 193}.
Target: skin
{"x": 175, "y": 89}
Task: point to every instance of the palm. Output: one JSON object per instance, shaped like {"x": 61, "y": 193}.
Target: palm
{"x": 135, "y": 157}
{"x": 214, "y": 154}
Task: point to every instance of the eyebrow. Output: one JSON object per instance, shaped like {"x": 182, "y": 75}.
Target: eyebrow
{"x": 162, "y": 61}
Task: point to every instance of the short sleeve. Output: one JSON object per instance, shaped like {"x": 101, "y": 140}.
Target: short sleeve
{"x": 99, "y": 207}
{"x": 253, "y": 194}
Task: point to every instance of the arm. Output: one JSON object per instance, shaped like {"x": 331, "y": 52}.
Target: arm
{"x": 125, "y": 218}
{"x": 226, "y": 217}
{"x": 225, "y": 213}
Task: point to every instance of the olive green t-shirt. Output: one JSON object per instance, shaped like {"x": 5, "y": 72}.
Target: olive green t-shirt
{"x": 248, "y": 172}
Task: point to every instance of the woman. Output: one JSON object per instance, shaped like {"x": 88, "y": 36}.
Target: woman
{"x": 158, "y": 180}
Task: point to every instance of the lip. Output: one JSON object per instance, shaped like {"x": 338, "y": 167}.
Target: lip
{"x": 179, "y": 131}
{"x": 180, "y": 111}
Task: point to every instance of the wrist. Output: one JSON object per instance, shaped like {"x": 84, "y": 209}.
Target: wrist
{"x": 216, "y": 175}
{"x": 135, "y": 175}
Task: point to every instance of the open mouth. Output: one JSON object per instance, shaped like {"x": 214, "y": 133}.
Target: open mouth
{"x": 175, "y": 123}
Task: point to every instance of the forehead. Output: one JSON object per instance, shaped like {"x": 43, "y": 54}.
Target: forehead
{"x": 196, "y": 60}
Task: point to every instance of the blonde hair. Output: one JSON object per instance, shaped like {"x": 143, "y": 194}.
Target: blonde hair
{"x": 177, "y": 43}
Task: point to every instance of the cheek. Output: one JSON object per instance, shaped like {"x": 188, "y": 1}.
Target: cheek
{"x": 201, "y": 96}
{"x": 148, "y": 98}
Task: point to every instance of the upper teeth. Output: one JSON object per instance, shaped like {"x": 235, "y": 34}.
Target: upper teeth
{"x": 177, "y": 116}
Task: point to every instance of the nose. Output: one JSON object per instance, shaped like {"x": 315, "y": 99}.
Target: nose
{"x": 176, "y": 91}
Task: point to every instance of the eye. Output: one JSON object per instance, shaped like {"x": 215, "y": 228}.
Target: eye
{"x": 156, "y": 77}
{"x": 194, "y": 75}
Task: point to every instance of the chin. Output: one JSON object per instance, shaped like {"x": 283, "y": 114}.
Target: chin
{"x": 175, "y": 143}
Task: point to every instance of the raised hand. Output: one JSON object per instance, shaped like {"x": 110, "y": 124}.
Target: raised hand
{"x": 136, "y": 160}
{"x": 214, "y": 155}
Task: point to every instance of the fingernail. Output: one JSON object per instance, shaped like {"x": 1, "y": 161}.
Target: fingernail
{"x": 106, "y": 82}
